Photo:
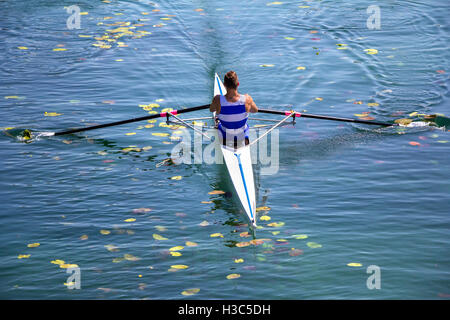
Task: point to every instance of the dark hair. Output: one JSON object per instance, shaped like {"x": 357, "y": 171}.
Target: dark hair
{"x": 231, "y": 80}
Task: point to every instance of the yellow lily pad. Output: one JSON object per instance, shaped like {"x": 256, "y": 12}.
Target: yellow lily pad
{"x": 216, "y": 192}
{"x": 190, "y": 292}
{"x": 215, "y": 235}
{"x": 160, "y": 134}
{"x": 313, "y": 245}
{"x": 354, "y": 264}
{"x": 159, "y": 237}
{"x": 176, "y": 254}
{"x": 33, "y": 245}
{"x": 276, "y": 224}
{"x": 52, "y": 114}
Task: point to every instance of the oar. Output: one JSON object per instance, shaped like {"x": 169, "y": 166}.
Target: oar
{"x": 316, "y": 116}
{"x": 117, "y": 123}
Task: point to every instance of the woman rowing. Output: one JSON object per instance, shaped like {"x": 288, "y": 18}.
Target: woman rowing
{"x": 232, "y": 111}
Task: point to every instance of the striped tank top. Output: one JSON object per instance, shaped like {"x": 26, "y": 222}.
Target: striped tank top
{"x": 233, "y": 119}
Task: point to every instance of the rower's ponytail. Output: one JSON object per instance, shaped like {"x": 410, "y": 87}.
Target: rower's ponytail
{"x": 231, "y": 80}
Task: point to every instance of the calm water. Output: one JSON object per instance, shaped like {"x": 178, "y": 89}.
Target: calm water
{"x": 360, "y": 195}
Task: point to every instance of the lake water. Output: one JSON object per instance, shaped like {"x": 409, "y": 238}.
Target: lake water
{"x": 106, "y": 201}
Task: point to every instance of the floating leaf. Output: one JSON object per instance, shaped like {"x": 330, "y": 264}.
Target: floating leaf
{"x": 130, "y": 257}
{"x": 300, "y": 236}
{"x": 295, "y": 252}
{"x": 215, "y": 235}
{"x": 403, "y": 122}
{"x": 190, "y": 292}
{"x": 130, "y": 220}
{"x": 52, "y": 114}
{"x": 264, "y": 218}
{"x": 23, "y": 256}
{"x": 177, "y": 248}
{"x": 262, "y": 209}
{"x": 244, "y": 234}
{"x": 141, "y": 210}
{"x": 22, "y": 48}
{"x": 130, "y": 133}
{"x": 256, "y": 242}
{"x": 160, "y": 134}
{"x": 276, "y": 224}
{"x": 176, "y": 178}
{"x": 33, "y": 245}
{"x": 58, "y": 262}
{"x": 371, "y": 51}
{"x": 68, "y": 265}
{"x": 191, "y": 244}
{"x": 239, "y": 260}
{"x": 105, "y": 232}
{"x": 161, "y": 228}
{"x": 216, "y": 192}
{"x": 319, "y": 99}
{"x": 84, "y": 237}
{"x": 414, "y": 143}
{"x": 266, "y": 65}
{"x": 179, "y": 266}
{"x": 60, "y": 49}
{"x": 242, "y": 244}
{"x": 175, "y": 254}
{"x": 289, "y": 38}
{"x": 274, "y": 3}
{"x": 233, "y": 276}
{"x": 373, "y": 104}
{"x": 313, "y": 245}
{"x": 111, "y": 248}
{"x": 158, "y": 237}
{"x": 354, "y": 264}
{"x": 301, "y": 68}
{"x": 117, "y": 260}
{"x": 204, "y": 223}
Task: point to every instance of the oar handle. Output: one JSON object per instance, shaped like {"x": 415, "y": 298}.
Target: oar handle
{"x": 117, "y": 123}
{"x": 317, "y": 116}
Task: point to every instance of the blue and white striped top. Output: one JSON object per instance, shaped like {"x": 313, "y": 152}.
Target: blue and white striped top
{"x": 233, "y": 119}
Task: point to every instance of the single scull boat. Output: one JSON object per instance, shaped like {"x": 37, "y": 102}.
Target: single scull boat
{"x": 239, "y": 166}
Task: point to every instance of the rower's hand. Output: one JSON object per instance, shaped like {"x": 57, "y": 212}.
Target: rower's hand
{"x": 215, "y": 104}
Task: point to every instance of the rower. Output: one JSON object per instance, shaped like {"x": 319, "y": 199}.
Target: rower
{"x": 232, "y": 110}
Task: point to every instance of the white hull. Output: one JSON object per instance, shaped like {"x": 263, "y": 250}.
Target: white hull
{"x": 239, "y": 165}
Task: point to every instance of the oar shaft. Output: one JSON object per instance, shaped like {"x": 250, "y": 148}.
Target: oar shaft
{"x": 117, "y": 123}
{"x": 316, "y": 116}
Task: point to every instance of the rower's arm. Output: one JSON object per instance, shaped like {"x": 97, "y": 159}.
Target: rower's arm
{"x": 252, "y": 108}
{"x": 215, "y": 104}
